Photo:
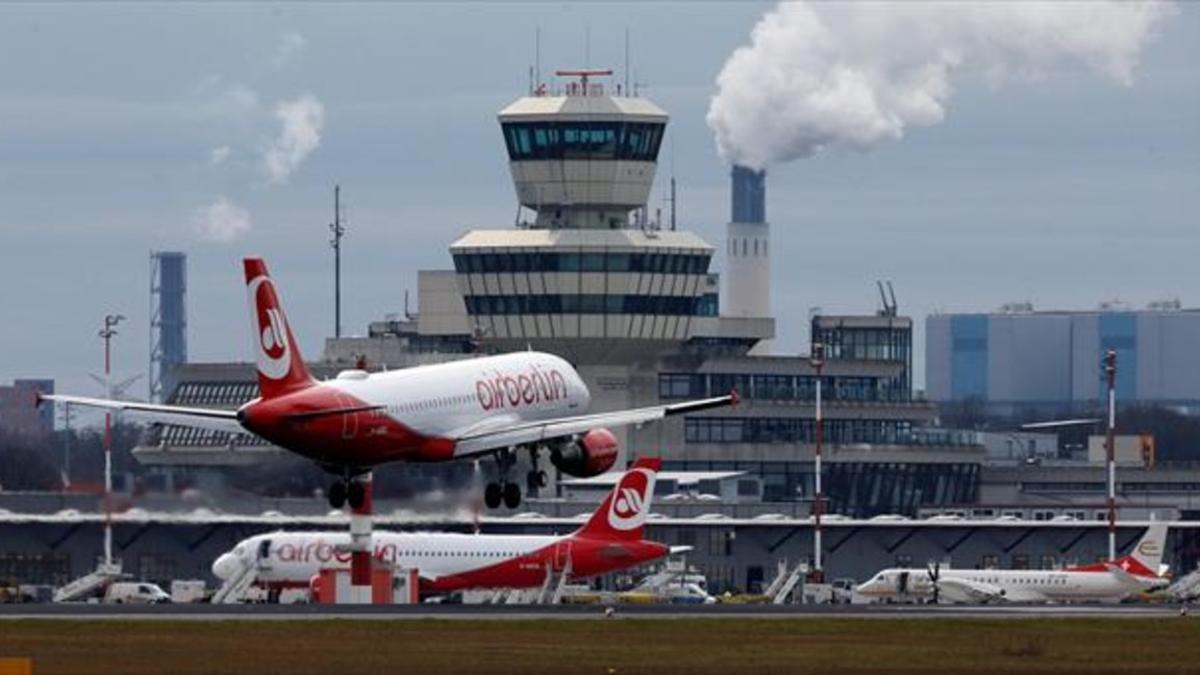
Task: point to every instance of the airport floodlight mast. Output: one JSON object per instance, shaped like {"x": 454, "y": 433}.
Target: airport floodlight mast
{"x": 106, "y": 334}
{"x": 817, "y": 360}
{"x": 1110, "y": 372}
{"x": 339, "y": 230}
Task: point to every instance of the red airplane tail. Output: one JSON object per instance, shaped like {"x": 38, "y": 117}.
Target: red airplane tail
{"x": 281, "y": 369}
{"x": 622, "y": 515}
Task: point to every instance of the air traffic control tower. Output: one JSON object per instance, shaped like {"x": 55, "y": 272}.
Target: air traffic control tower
{"x": 586, "y": 272}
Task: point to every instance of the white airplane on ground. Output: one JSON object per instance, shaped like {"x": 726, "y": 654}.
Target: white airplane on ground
{"x": 498, "y": 405}
{"x": 610, "y": 540}
{"x": 1108, "y": 581}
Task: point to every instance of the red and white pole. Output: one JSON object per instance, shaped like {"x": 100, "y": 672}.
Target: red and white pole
{"x": 818, "y": 364}
{"x": 1110, "y": 371}
{"x": 107, "y": 334}
{"x": 360, "y": 547}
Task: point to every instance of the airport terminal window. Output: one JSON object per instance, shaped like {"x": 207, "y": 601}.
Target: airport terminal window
{"x": 769, "y": 387}
{"x": 793, "y": 430}
{"x": 35, "y": 568}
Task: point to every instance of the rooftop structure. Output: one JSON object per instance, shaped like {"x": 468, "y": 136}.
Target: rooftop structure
{"x": 1020, "y": 359}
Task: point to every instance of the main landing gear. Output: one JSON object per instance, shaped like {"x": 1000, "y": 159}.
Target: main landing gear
{"x": 348, "y": 491}
{"x": 506, "y": 491}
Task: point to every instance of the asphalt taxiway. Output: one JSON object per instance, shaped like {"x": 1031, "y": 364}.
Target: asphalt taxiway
{"x": 527, "y": 612}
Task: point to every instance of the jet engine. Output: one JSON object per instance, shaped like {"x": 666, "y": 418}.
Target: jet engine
{"x": 585, "y": 456}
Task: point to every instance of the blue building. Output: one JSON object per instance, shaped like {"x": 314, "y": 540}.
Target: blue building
{"x": 1050, "y": 361}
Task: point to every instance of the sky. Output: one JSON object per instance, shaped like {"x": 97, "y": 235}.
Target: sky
{"x": 220, "y": 129}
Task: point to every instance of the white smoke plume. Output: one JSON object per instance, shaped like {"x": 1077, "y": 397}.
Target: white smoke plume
{"x": 857, "y": 74}
{"x": 289, "y": 47}
{"x": 222, "y": 221}
{"x": 301, "y": 121}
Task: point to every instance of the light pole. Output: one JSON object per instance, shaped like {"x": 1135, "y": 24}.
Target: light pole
{"x": 339, "y": 231}
{"x": 817, "y": 360}
{"x": 1110, "y": 372}
{"x": 107, "y": 334}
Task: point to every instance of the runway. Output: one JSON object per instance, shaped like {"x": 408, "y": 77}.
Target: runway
{"x": 301, "y": 612}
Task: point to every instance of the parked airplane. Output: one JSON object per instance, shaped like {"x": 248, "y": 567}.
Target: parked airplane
{"x": 609, "y": 541}
{"x": 1109, "y": 581}
{"x": 495, "y": 405}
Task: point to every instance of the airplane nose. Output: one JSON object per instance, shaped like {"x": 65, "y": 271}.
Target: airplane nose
{"x": 226, "y": 566}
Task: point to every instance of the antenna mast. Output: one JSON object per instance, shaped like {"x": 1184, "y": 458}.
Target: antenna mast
{"x": 627, "y": 64}
{"x": 338, "y": 231}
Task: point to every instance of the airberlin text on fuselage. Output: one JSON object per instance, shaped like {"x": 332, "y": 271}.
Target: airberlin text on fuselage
{"x": 500, "y": 390}
{"x": 324, "y": 552}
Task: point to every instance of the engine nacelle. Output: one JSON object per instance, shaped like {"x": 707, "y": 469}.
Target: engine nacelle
{"x": 590, "y": 455}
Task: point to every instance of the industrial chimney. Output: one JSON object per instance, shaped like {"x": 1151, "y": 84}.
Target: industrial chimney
{"x": 748, "y": 262}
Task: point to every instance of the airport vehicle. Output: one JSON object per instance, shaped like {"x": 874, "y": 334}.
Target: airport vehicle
{"x": 491, "y": 405}
{"x": 1107, "y": 581}
{"x": 135, "y": 593}
{"x": 609, "y": 541}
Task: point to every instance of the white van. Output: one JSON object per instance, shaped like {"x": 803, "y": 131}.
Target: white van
{"x": 135, "y": 593}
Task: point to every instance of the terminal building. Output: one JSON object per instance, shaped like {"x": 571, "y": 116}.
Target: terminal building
{"x": 640, "y": 311}
{"x": 1049, "y": 361}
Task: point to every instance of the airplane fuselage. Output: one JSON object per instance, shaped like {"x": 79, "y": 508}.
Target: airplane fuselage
{"x": 446, "y": 561}
{"x": 416, "y": 414}
{"x": 1013, "y": 585}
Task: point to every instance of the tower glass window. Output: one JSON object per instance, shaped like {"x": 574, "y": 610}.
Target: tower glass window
{"x": 638, "y": 141}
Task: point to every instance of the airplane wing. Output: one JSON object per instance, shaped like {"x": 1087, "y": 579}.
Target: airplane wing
{"x": 204, "y": 418}
{"x": 473, "y": 443}
{"x": 961, "y": 590}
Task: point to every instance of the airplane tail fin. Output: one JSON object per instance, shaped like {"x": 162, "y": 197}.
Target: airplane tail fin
{"x": 1148, "y": 553}
{"x": 281, "y": 369}
{"x": 622, "y": 515}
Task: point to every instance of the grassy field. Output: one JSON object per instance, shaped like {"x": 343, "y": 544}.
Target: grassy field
{"x": 607, "y": 647}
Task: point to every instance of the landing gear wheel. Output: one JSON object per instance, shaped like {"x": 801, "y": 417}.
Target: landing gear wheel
{"x": 536, "y": 479}
{"x": 356, "y": 494}
{"x": 492, "y": 494}
{"x": 337, "y": 494}
{"x": 512, "y": 495}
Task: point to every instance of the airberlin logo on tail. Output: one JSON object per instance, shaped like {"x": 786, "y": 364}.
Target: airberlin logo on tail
{"x": 628, "y": 509}
{"x": 273, "y": 353}
{"x": 499, "y": 390}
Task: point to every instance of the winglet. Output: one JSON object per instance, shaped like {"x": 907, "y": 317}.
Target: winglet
{"x": 734, "y": 397}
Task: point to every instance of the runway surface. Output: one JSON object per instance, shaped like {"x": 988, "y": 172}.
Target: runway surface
{"x": 576, "y": 612}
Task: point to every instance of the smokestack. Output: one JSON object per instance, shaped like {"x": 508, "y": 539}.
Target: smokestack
{"x": 749, "y": 195}
{"x": 747, "y": 249}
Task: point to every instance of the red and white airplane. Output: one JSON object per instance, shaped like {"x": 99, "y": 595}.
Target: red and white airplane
{"x": 488, "y": 405}
{"x": 1108, "y": 581}
{"x": 611, "y": 540}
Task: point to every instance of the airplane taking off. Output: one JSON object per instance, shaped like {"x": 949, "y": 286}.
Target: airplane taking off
{"x": 496, "y": 405}
{"x": 611, "y": 540}
{"x": 1110, "y": 581}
